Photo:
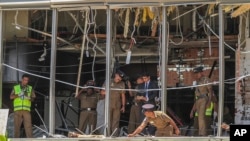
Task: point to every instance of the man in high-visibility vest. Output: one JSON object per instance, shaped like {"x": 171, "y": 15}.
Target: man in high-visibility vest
{"x": 208, "y": 116}
{"x": 203, "y": 94}
{"x": 22, "y": 95}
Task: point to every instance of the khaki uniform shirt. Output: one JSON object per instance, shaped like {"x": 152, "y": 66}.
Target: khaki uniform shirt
{"x": 161, "y": 120}
{"x": 201, "y": 90}
{"x": 89, "y": 101}
{"x": 116, "y": 89}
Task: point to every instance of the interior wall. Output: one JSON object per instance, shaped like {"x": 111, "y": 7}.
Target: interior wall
{"x": 10, "y": 31}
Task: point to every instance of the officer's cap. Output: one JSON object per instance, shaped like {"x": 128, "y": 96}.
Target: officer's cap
{"x": 120, "y": 73}
{"x": 198, "y": 69}
{"x": 148, "y": 107}
{"x": 90, "y": 83}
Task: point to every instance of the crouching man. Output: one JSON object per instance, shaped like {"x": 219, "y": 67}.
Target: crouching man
{"x": 164, "y": 124}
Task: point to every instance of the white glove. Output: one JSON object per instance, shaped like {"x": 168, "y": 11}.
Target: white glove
{"x": 27, "y": 97}
{"x": 215, "y": 115}
{"x": 157, "y": 99}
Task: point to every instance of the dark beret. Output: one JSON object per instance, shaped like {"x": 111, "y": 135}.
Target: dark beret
{"x": 120, "y": 73}
{"x": 90, "y": 83}
{"x": 198, "y": 69}
{"x": 148, "y": 106}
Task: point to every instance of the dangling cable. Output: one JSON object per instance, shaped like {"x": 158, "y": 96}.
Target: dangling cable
{"x": 45, "y": 25}
{"x": 179, "y": 26}
{"x": 15, "y": 20}
{"x": 82, "y": 51}
{"x": 75, "y": 29}
{"x": 93, "y": 62}
{"x": 126, "y": 26}
{"x": 132, "y": 42}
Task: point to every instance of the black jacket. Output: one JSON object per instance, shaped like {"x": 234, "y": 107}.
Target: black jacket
{"x": 151, "y": 93}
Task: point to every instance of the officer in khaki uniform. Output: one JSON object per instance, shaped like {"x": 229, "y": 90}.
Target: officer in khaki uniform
{"x": 208, "y": 115}
{"x": 22, "y": 96}
{"x": 164, "y": 124}
{"x": 89, "y": 99}
{"x": 135, "y": 111}
{"x": 117, "y": 101}
{"x": 203, "y": 93}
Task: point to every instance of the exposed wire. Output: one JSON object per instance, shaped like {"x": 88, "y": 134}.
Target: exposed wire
{"x": 85, "y": 33}
{"x": 173, "y": 88}
{"x": 67, "y": 73}
{"x": 126, "y": 26}
{"x": 82, "y": 51}
{"x": 93, "y": 48}
{"x": 180, "y": 30}
{"x": 75, "y": 28}
{"x": 44, "y": 33}
{"x": 188, "y": 12}
{"x": 211, "y": 30}
{"x": 15, "y": 20}
{"x": 45, "y": 24}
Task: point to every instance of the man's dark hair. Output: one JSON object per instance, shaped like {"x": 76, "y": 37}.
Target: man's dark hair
{"x": 25, "y": 75}
{"x": 145, "y": 74}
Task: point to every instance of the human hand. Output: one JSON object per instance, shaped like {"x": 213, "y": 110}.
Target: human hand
{"x": 27, "y": 97}
{"x": 21, "y": 96}
{"x": 191, "y": 115}
{"x": 131, "y": 135}
{"x": 177, "y": 131}
{"x": 138, "y": 98}
{"x": 225, "y": 126}
{"x": 123, "y": 109}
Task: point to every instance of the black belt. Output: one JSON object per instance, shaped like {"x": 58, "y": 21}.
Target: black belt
{"x": 88, "y": 109}
{"x": 202, "y": 96}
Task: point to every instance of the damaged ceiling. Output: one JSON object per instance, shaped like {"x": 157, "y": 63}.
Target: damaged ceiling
{"x": 139, "y": 36}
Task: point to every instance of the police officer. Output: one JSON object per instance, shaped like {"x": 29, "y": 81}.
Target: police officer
{"x": 22, "y": 96}
{"x": 164, "y": 124}
{"x": 147, "y": 97}
{"x": 210, "y": 111}
{"x": 208, "y": 116}
{"x": 135, "y": 111}
{"x": 89, "y": 99}
{"x": 203, "y": 93}
{"x": 117, "y": 101}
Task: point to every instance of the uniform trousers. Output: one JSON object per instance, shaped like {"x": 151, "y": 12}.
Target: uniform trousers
{"x": 115, "y": 114}
{"x": 164, "y": 132}
{"x": 87, "y": 118}
{"x": 201, "y": 109}
{"x": 25, "y": 117}
{"x": 134, "y": 118}
{"x": 208, "y": 124}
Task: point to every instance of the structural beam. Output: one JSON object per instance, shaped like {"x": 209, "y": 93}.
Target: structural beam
{"x": 221, "y": 70}
{"x": 108, "y": 70}
{"x": 52, "y": 73}
{"x": 164, "y": 60}
{"x": 1, "y": 54}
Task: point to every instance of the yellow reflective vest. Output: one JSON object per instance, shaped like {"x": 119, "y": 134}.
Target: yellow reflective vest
{"x": 22, "y": 103}
{"x": 209, "y": 110}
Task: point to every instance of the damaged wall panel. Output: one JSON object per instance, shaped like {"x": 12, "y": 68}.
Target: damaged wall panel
{"x": 242, "y": 96}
